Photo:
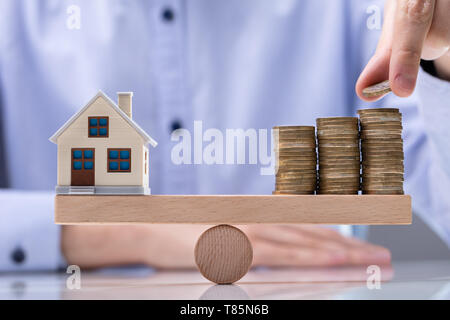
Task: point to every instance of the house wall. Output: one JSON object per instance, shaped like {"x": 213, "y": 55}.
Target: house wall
{"x": 121, "y": 135}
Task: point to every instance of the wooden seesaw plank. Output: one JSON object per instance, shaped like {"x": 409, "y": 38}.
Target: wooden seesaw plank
{"x": 234, "y": 209}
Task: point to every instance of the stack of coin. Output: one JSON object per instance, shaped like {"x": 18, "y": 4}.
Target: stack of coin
{"x": 339, "y": 155}
{"x": 382, "y": 151}
{"x": 296, "y": 165}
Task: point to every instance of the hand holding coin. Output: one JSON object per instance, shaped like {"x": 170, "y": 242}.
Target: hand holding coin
{"x": 412, "y": 30}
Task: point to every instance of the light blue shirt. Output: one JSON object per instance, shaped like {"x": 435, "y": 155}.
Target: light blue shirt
{"x": 232, "y": 64}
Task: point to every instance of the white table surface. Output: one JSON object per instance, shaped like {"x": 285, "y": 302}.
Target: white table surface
{"x": 405, "y": 280}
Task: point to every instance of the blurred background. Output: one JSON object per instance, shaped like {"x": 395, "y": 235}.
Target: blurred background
{"x": 414, "y": 242}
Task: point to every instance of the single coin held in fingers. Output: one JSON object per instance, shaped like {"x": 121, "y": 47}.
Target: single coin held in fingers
{"x": 377, "y": 90}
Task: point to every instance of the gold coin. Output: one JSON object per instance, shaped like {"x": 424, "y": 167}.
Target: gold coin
{"x": 383, "y": 192}
{"x": 398, "y": 168}
{"x": 383, "y": 189}
{"x": 381, "y": 143}
{"x": 338, "y": 192}
{"x": 386, "y": 118}
{"x": 385, "y": 154}
{"x": 336, "y": 127}
{"x": 303, "y": 176}
{"x": 296, "y": 150}
{"x": 337, "y": 188}
{"x": 340, "y": 170}
{"x": 381, "y": 180}
{"x": 310, "y": 145}
{"x": 394, "y": 175}
{"x": 379, "y": 134}
{"x": 299, "y": 165}
{"x": 294, "y": 134}
{"x": 375, "y": 110}
{"x": 386, "y": 186}
{"x": 337, "y": 144}
{"x": 338, "y": 159}
{"x": 294, "y": 168}
{"x": 380, "y": 116}
{"x": 329, "y": 186}
{"x": 310, "y": 173}
{"x": 337, "y": 176}
{"x": 293, "y": 186}
{"x": 381, "y": 126}
{"x": 382, "y": 176}
{"x": 295, "y": 163}
{"x": 381, "y": 148}
{"x": 355, "y": 166}
{"x": 291, "y": 192}
{"x": 338, "y": 132}
{"x": 298, "y": 186}
{"x": 380, "y": 161}
{"x": 338, "y": 149}
{"x": 296, "y": 190}
{"x": 299, "y": 128}
{"x": 337, "y": 119}
{"x": 299, "y": 177}
{"x": 382, "y": 158}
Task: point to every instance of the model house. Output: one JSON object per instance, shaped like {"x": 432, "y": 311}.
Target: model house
{"x": 101, "y": 150}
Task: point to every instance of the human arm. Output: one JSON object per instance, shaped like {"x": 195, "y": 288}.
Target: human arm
{"x": 172, "y": 246}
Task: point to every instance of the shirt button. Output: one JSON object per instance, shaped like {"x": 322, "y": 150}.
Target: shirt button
{"x": 18, "y": 255}
{"x": 175, "y": 125}
{"x": 168, "y": 15}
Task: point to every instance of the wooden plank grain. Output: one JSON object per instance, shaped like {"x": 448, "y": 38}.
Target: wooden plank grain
{"x": 234, "y": 209}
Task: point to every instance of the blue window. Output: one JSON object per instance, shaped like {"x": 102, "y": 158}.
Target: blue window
{"x": 77, "y": 165}
{"x": 88, "y": 165}
{"x": 119, "y": 160}
{"x": 98, "y": 127}
{"x": 114, "y": 154}
{"x": 124, "y": 165}
{"x": 77, "y": 154}
{"x": 113, "y": 165}
{"x": 83, "y": 159}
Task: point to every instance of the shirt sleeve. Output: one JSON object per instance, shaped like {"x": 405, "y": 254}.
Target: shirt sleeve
{"x": 29, "y": 238}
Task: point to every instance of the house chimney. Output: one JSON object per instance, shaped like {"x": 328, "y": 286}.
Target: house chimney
{"x": 125, "y": 102}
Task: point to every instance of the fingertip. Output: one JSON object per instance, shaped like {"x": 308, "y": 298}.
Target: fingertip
{"x": 376, "y": 70}
{"x": 384, "y": 255}
{"x": 359, "y": 89}
{"x": 403, "y": 84}
{"x": 381, "y": 256}
{"x": 370, "y": 99}
{"x": 363, "y": 82}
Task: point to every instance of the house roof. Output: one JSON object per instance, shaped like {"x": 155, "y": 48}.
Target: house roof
{"x": 100, "y": 93}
